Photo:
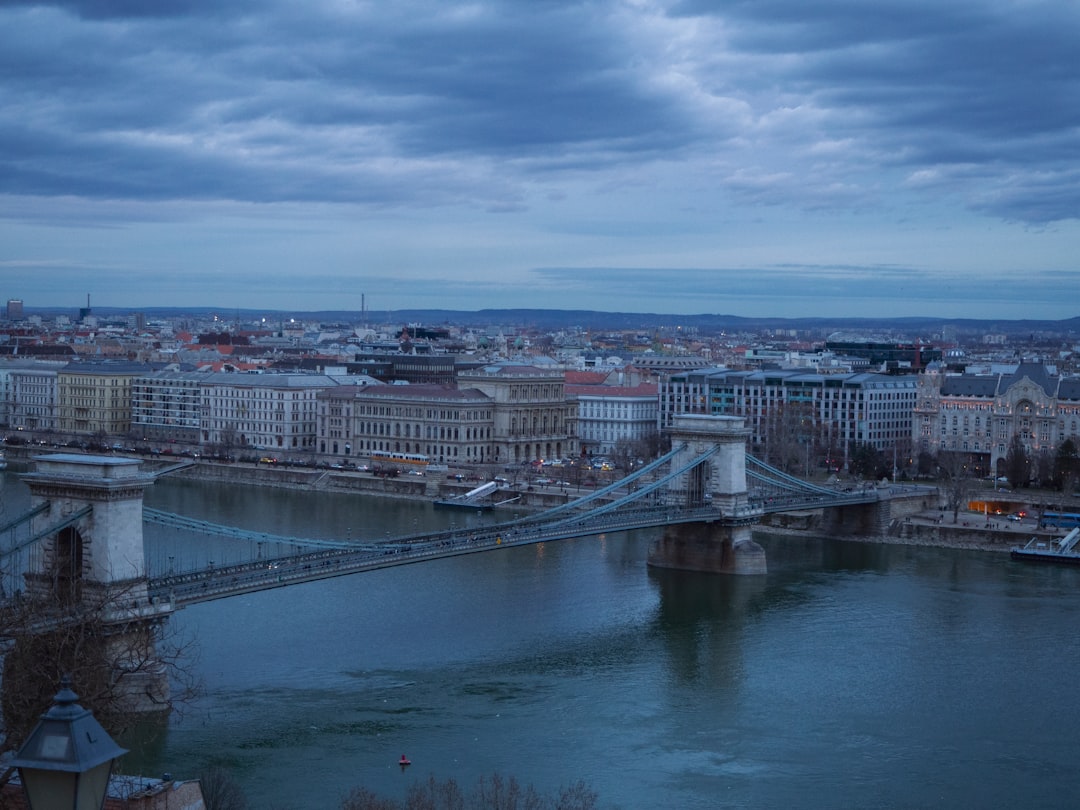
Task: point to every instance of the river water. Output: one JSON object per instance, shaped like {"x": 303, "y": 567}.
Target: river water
{"x": 852, "y": 675}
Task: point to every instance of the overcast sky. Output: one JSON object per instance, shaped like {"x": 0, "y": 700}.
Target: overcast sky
{"x": 750, "y": 157}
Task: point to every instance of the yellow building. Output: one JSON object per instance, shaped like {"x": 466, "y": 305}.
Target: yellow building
{"x": 95, "y": 398}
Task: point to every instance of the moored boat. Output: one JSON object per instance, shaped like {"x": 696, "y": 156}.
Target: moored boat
{"x": 477, "y": 499}
{"x": 1061, "y": 551}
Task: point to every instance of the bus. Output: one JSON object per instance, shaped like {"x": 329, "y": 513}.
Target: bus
{"x": 1060, "y": 520}
{"x": 388, "y": 457}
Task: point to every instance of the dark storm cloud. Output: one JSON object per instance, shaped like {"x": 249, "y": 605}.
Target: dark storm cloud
{"x": 838, "y": 104}
{"x": 291, "y": 105}
{"x": 931, "y": 86}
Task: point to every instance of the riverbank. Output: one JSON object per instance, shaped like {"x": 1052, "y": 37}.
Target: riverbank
{"x": 931, "y": 528}
{"x": 429, "y": 486}
{"x": 926, "y": 527}
{"x": 913, "y": 524}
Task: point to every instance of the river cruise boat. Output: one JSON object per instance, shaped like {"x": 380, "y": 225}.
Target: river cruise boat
{"x": 1061, "y": 551}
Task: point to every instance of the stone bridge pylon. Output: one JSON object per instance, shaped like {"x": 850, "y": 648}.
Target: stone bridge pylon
{"x": 92, "y": 559}
{"x": 723, "y": 544}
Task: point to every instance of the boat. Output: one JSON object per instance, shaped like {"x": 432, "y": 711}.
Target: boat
{"x": 476, "y": 499}
{"x": 1061, "y": 551}
{"x": 404, "y": 762}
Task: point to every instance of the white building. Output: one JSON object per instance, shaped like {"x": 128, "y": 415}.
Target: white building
{"x": 612, "y": 415}
{"x": 34, "y": 393}
{"x": 271, "y": 412}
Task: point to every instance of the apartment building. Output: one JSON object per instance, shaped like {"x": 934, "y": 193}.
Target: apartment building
{"x": 263, "y": 411}
{"x": 34, "y": 395}
{"x": 166, "y": 406}
{"x": 608, "y": 416}
{"x": 827, "y": 410}
{"x": 230, "y": 410}
{"x": 9, "y": 373}
{"x": 95, "y": 398}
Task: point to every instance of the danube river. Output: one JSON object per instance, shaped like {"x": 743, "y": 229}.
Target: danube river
{"x": 852, "y": 675}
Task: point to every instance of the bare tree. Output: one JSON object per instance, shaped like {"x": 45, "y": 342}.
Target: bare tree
{"x": 956, "y": 480}
{"x": 434, "y": 795}
{"x": 789, "y": 436}
{"x": 490, "y": 793}
{"x": 577, "y": 796}
{"x": 497, "y": 793}
{"x": 363, "y": 799}
{"x": 114, "y": 663}
{"x": 220, "y": 790}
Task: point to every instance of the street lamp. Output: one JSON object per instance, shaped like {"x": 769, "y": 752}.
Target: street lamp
{"x": 66, "y": 762}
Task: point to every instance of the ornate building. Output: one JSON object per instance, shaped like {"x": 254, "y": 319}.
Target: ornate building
{"x": 498, "y": 414}
{"x": 980, "y": 413}
{"x": 531, "y": 416}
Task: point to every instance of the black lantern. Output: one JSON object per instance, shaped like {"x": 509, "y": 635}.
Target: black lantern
{"x": 66, "y": 762}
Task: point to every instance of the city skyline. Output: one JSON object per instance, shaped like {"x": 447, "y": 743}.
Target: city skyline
{"x": 770, "y": 159}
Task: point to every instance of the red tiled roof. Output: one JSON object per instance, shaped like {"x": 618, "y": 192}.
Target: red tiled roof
{"x": 585, "y": 377}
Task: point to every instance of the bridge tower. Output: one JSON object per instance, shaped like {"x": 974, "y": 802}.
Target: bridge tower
{"x": 94, "y": 558}
{"x": 722, "y": 544}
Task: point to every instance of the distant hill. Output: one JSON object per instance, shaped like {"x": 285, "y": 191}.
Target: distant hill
{"x": 548, "y": 319}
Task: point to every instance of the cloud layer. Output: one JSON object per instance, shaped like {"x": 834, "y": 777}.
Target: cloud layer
{"x": 587, "y": 120}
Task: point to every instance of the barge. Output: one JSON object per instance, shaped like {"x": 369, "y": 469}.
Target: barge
{"x": 1061, "y": 551}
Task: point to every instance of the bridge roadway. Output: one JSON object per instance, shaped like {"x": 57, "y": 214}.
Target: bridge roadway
{"x": 219, "y": 582}
{"x": 191, "y": 587}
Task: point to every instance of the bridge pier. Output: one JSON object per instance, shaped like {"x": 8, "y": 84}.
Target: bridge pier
{"x": 858, "y": 519}
{"x": 722, "y": 545}
{"x": 715, "y": 547}
{"x": 93, "y": 564}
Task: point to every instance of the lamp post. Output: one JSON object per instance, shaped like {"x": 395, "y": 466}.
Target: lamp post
{"x": 66, "y": 762}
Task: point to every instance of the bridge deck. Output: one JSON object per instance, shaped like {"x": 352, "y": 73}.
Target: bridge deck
{"x": 332, "y": 561}
{"x": 219, "y": 582}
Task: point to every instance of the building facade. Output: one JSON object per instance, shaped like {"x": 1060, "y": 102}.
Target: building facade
{"x": 823, "y": 412}
{"x": 9, "y": 372}
{"x": 610, "y": 416}
{"x": 95, "y": 398}
{"x": 444, "y": 424}
{"x": 981, "y": 413}
{"x": 226, "y": 410}
{"x": 33, "y": 390}
{"x": 276, "y": 412}
{"x": 166, "y": 406}
{"x": 530, "y": 412}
